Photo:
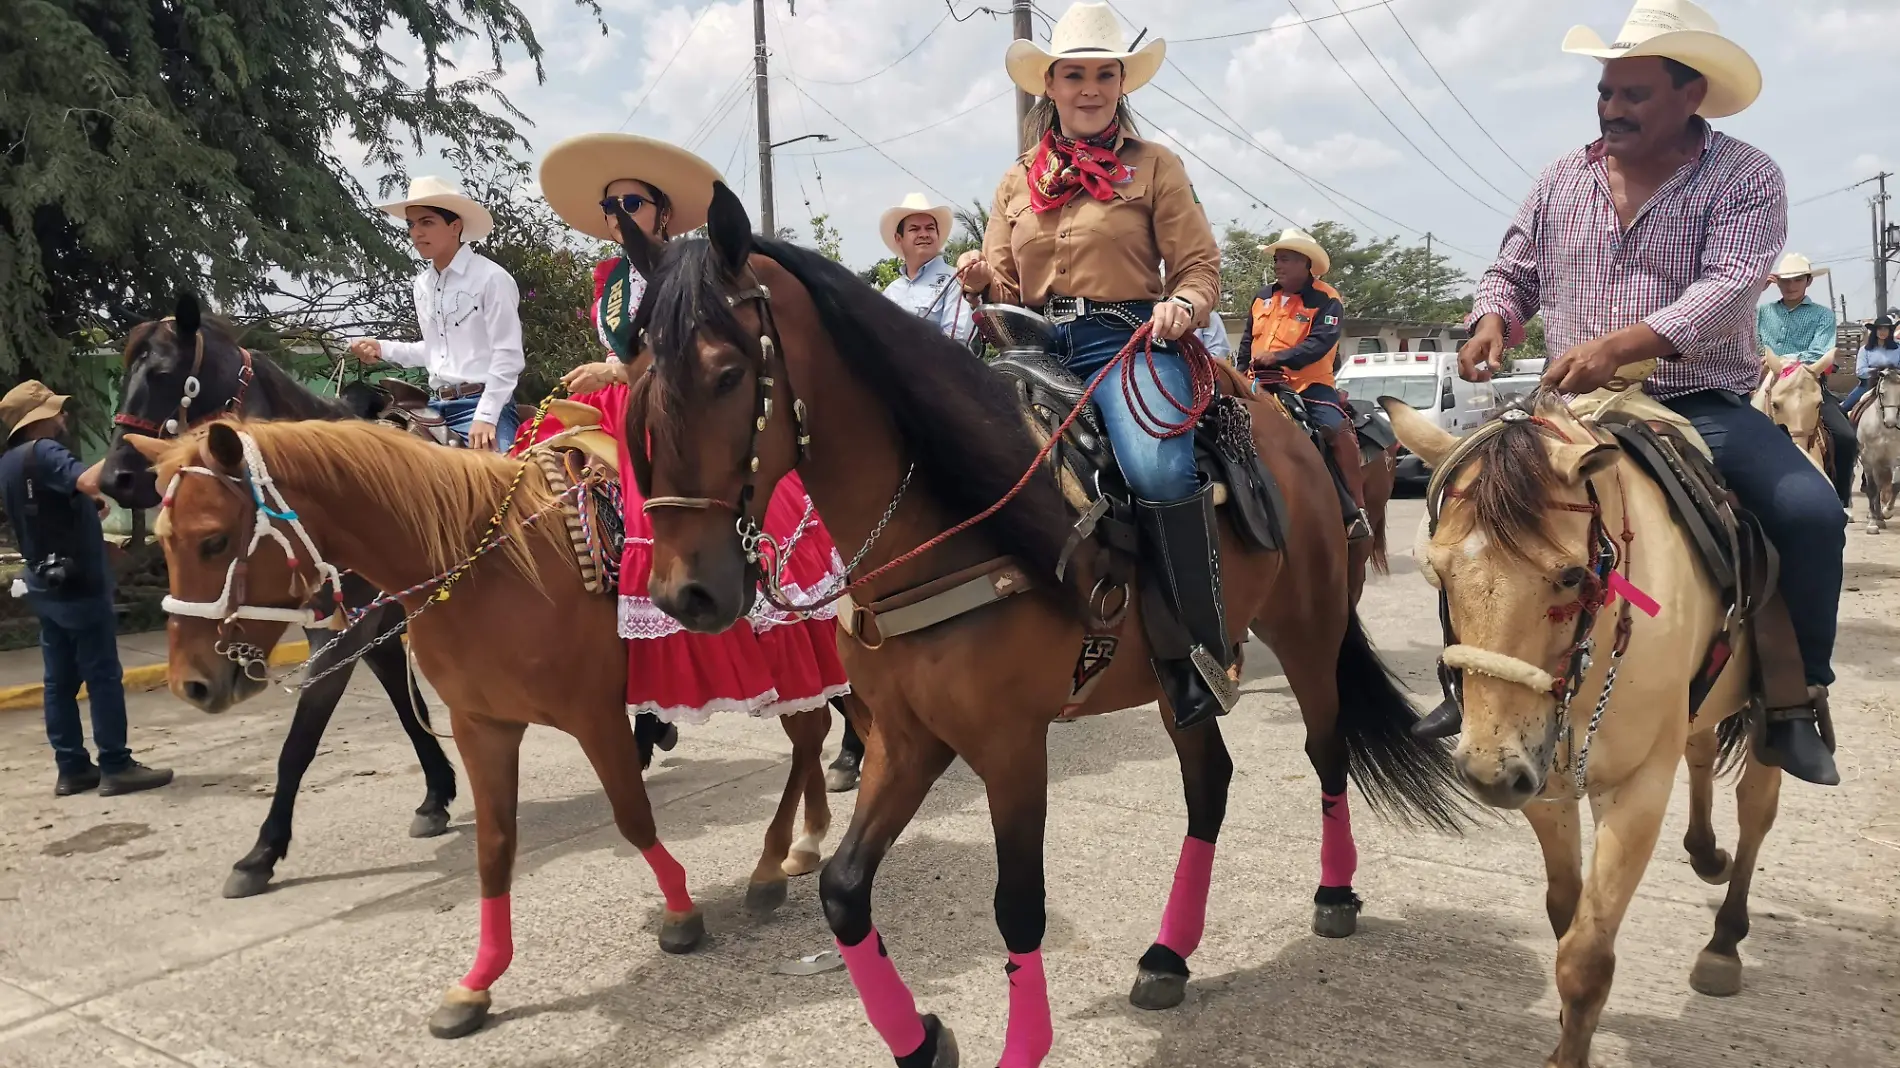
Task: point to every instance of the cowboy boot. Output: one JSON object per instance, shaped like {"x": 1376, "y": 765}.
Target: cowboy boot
{"x": 1800, "y": 741}
{"x": 1448, "y": 719}
{"x": 1184, "y": 547}
{"x": 1340, "y": 447}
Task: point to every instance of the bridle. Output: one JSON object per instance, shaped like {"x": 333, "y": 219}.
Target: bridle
{"x": 182, "y": 420}
{"x": 255, "y": 487}
{"x": 1887, "y": 380}
{"x": 1598, "y": 588}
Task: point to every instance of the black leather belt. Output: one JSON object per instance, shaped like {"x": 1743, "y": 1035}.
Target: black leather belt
{"x": 1133, "y": 313}
{"x": 458, "y": 391}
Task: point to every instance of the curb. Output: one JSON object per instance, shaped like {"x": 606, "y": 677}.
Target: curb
{"x": 137, "y": 679}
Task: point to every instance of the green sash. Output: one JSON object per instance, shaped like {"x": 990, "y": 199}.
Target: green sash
{"x": 618, "y": 302}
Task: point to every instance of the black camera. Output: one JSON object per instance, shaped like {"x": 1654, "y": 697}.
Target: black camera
{"x": 53, "y": 572}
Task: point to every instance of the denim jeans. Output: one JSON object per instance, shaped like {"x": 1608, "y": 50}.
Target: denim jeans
{"x": 79, "y": 643}
{"x": 460, "y": 415}
{"x": 1798, "y": 510}
{"x": 1322, "y": 398}
{"x": 1854, "y": 395}
{"x": 1157, "y": 469}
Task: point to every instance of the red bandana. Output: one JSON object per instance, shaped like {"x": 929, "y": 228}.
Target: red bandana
{"x": 1065, "y": 166}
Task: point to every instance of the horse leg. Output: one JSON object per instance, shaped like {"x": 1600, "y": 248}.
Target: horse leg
{"x": 767, "y": 889}
{"x": 809, "y": 729}
{"x": 1629, "y": 819}
{"x": 1206, "y": 770}
{"x": 252, "y": 874}
{"x": 1711, "y": 863}
{"x": 491, "y": 753}
{"x": 391, "y": 665}
{"x": 1014, "y": 767}
{"x": 901, "y": 762}
{"x": 1562, "y": 843}
{"x": 1718, "y": 968}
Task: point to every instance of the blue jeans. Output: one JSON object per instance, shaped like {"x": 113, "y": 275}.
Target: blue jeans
{"x": 79, "y": 642}
{"x": 1797, "y": 508}
{"x": 1157, "y": 469}
{"x": 1324, "y": 414}
{"x": 1854, "y": 394}
{"x": 460, "y": 415}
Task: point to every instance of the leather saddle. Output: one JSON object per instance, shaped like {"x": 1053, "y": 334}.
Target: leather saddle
{"x": 1374, "y": 429}
{"x": 394, "y": 402}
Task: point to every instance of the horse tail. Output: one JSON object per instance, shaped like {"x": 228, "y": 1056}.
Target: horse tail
{"x": 1731, "y": 740}
{"x": 1402, "y": 778}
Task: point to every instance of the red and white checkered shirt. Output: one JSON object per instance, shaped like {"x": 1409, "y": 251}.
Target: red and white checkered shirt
{"x": 1691, "y": 266}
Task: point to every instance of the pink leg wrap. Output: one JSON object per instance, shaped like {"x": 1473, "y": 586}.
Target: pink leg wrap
{"x": 1338, "y": 857}
{"x": 1186, "y": 914}
{"x": 497, "y": 948}
{"x": 671, "y": 877}
{"x": 887, "y": 1001}
{"x": 1031, "y": 1031}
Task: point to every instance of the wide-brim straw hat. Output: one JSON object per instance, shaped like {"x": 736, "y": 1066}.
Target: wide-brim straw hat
{"x": 1679, "y": 30}
{"x": 28, "y": 403}
{"x": 432, "y": 192}
{"x": 1294, "y": 239}
{"x": 575, "y": 175}
{"x": 914, "y": 204}
{"x": 1085, "y": 31}
{"x": 1795, "y": 265}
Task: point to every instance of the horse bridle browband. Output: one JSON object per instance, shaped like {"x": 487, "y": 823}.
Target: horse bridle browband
{"x": 183, "y": 421}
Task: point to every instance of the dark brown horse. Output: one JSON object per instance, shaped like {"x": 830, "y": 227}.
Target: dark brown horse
{"x": 756, "y": 344}
{"x": 187, "y": 356}
{"x": 519, "y": 641}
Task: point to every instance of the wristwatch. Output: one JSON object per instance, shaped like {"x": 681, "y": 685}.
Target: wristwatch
{"x": 1184, "y": 302}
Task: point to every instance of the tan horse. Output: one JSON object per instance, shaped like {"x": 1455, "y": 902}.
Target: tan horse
{"x": 520, "y": 641}
{"x": 1519, "y": 552}
{"x": 1790, "y": 394}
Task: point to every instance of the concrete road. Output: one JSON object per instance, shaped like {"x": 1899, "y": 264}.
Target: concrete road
{"x": 115, "y": 948}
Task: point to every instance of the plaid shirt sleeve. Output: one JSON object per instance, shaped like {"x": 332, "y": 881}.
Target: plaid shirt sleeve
{"x": 1511, "y": 288}
{"x": 1745, "y": 231}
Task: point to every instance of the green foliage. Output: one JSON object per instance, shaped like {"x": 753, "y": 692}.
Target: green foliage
{"x": 826, "y": 238}
{"x": 151, "y": 147}
{"x": 1532, "y": 347}
{"x": 1379, "y": 279}
{"x": 883, "y": 272}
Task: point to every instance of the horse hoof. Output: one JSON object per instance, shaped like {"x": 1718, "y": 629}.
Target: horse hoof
{"x": 1716, "y": 975}
{"x": 1157, "y": 990}
{"x": 801, "y": 862}
{"x": 1720, "y": 875}
{"x": 429, "y": 824}
{"x": 947, "y": 1055}
{"x": 462, "y": 1012}
{"x": 840, "y": 780}
{"x": 763, "y": 898}
{"x": 244, "y": 882}
{"x": 682, "y": 933}
{"x": 1335, "y": 921}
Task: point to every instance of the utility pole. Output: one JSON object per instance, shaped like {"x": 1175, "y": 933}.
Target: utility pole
{"x": 761, "y": 90}
{"x": 1431, "y": 271}
{"x": 1019, "y": 14}
{"x": 1884, "y": 247}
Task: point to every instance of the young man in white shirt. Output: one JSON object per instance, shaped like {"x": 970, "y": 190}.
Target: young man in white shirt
{"x": 469, "y": 312}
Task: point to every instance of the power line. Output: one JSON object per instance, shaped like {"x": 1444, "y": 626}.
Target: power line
{"x": 910, "y": 133}
{"x": 1413, "y": 104}
{"x": 1824, "y": 196}
{"x": 946, "y": 198}
{"x": 1183, "y": 146}
{"x": 907, "y": 54}
{"x": 735, "y": 91}
{"x": 804, "y": 117}
{"x": 1454, "y": 94}
{"x": 1279, "y": 26}
{"x": 697, "y": 19}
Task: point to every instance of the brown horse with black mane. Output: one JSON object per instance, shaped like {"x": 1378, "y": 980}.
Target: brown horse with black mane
{"x": 768, "y": 357}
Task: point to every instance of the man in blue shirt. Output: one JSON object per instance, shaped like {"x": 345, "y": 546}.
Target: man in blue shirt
{"x": 1798, "y": 328}
{"x": 53, "y": 502}
{"x": 915, "y": 232}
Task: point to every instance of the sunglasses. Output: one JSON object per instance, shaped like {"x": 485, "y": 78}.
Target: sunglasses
{"x": 627, "y": 202}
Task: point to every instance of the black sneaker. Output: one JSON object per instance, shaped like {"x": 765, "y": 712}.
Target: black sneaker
{"x": 132, "y": 778}
{"x": 75, "y": 782}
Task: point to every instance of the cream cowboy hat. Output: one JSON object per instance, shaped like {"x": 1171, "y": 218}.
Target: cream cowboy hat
{"x": 1085, "y": 31}
{"x": 432, "y": 192}
{"x": 1294, "y": 239}
{"x": 914, "y": 204}
{"x": 1679, "y": 30}
{"x": 575, "y": 175}
{"x": 1795, "y": 265}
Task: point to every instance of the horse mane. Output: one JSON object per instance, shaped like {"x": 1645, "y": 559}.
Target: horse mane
{"x": 439, "y": 498}
{"x": 958, "y": 419}
{"x": 1511, "y": 495}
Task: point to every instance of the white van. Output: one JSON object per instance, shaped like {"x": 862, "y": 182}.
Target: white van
{"x": 1429, "y": 382}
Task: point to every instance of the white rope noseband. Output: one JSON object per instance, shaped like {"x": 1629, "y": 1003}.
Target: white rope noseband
{"x": 1497, "y": 665}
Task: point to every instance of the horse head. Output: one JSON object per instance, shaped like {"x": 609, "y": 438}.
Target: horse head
{"x": 179, "y": 372}
{"x": 1790, "y": 394}
{"x": 1511, "y": 539}
{"x": 1887, "y": 396}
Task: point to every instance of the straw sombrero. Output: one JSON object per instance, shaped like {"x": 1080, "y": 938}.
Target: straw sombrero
{"x": 575, "y": 175}
{"x": 432, "y": 192}
{"x": 1679, "y": 30}
{"x": 914, "y": 204}
{"x": 1085, "y": 31}
{"x": 1795, "y": 265}
{"x": 1294, "y": 239}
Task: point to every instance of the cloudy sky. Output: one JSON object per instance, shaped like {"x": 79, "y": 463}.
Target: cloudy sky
{"x": 917, "y": 100}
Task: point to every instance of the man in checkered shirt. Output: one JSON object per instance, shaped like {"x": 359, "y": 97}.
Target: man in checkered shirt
{"x": 1651, "y": 244}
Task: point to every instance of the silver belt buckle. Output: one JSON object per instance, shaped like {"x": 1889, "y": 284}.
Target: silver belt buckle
{"x": 1077, "y": 306}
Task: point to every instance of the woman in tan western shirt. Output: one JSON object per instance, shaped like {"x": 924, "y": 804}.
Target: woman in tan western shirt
{"x": 1079, "y": 231}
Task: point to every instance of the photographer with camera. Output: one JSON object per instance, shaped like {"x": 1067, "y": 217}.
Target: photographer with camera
{"x": 54, "y": 504}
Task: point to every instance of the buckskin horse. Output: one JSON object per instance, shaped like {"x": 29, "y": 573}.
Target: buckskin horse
{"x": 768, "y": 356}
{"x": 1537, "y": 525}
{"x": 505, "y": 629}
{"x": 181, "y": 372}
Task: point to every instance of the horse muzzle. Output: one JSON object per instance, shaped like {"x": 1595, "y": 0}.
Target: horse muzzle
{"x": 215, "y": 686}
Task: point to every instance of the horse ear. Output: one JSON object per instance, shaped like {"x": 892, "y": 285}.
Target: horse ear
{"x": 224, "y": 448}
{"x": 729, "y": 228}
{"x": 1579, "y": 462}
{"x": 1420, "y": 436}
{"x": 187, "y": 316}
{"x": 148, "y": 447}
{"x": 635, "y": 244}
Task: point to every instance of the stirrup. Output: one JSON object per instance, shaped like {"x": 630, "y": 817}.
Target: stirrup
{"x": 1219, "y": 683}
{"x": 1360, "y": 528}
